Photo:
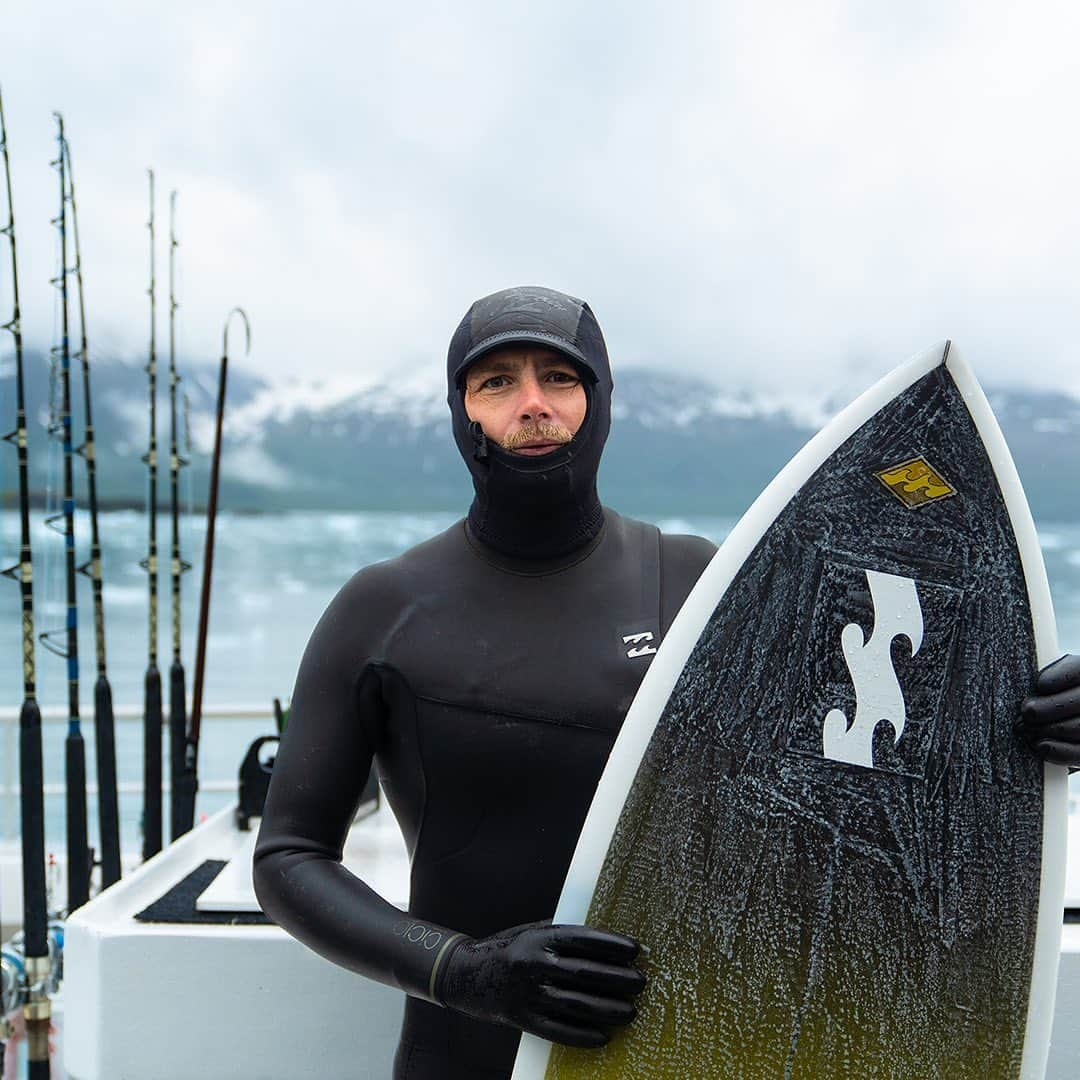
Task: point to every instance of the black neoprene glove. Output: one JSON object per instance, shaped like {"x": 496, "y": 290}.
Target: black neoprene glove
{"x": 1050, "y": 718}
{"x": 567, "y": 984}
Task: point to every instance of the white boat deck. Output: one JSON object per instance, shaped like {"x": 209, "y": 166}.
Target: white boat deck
{"x": 169, "y": 1001}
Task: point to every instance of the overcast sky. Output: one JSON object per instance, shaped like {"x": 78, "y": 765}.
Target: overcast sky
{"x": 763, "y": 193}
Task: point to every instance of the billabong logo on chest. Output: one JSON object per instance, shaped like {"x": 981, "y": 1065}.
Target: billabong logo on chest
{"x": 640, "y": 644}
{"x": 878, "y": 696}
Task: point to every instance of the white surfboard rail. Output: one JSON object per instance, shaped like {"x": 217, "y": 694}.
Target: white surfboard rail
{"x": 1040, "y": 1013}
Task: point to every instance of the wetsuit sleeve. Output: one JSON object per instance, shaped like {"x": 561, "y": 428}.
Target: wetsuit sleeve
{"x": 325, "y": 756}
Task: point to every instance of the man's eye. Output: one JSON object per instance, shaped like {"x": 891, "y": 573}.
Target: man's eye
{"x": 493, "y": 383}
{"x": 562, "y": 377}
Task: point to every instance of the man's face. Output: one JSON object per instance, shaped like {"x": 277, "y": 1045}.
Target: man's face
{"x": 527, "y": 398}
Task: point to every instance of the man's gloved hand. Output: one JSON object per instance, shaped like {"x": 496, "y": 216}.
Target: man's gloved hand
{"x": 567, "y": 984}
{"x": 1050, "y": 718}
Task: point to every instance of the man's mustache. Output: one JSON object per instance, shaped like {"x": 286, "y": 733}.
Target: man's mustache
{"x": 532, "y": 432}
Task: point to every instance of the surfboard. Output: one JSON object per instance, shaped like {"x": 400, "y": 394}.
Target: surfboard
{"x": 818, "y": 818}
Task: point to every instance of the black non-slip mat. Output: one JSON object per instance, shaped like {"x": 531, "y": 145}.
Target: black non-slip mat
{"x": 178, "y": 904}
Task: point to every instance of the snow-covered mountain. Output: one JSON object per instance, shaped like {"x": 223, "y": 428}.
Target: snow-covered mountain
{"x": 678, "y": 444}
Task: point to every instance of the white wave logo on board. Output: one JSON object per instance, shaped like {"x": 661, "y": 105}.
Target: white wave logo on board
{"x": 877, "y": 690}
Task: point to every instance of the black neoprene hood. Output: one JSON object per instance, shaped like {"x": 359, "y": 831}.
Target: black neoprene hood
{"x": 533, "y": 507}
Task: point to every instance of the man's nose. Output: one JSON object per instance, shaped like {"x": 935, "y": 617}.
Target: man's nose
{"x": 533, "y": 403}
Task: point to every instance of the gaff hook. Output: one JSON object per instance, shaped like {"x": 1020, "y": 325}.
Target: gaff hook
{"x": 225, "y": 333}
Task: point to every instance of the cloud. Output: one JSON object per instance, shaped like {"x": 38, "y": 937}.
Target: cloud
{"x": 803, "y": 194}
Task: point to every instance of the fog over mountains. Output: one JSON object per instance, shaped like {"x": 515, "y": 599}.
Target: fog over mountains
{"x": 678, "y": 444}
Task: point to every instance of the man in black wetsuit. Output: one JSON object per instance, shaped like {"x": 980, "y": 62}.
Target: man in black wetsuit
{"x": 486, "y": 673}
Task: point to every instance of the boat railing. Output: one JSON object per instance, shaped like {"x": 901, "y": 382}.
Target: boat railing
{"x": 125, "y": 717}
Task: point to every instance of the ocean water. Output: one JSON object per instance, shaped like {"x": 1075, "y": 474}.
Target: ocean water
{"x": 273, "y": 576}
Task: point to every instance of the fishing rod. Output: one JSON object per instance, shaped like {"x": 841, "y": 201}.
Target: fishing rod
{"x": 177, "y": 679}
{"x": 78, "y": 852}
{"x": 152, "y": 686}
{"x": 190, "y": 778}
{"x": 37, "y": 1008}
{"x": 104, "y": 723}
